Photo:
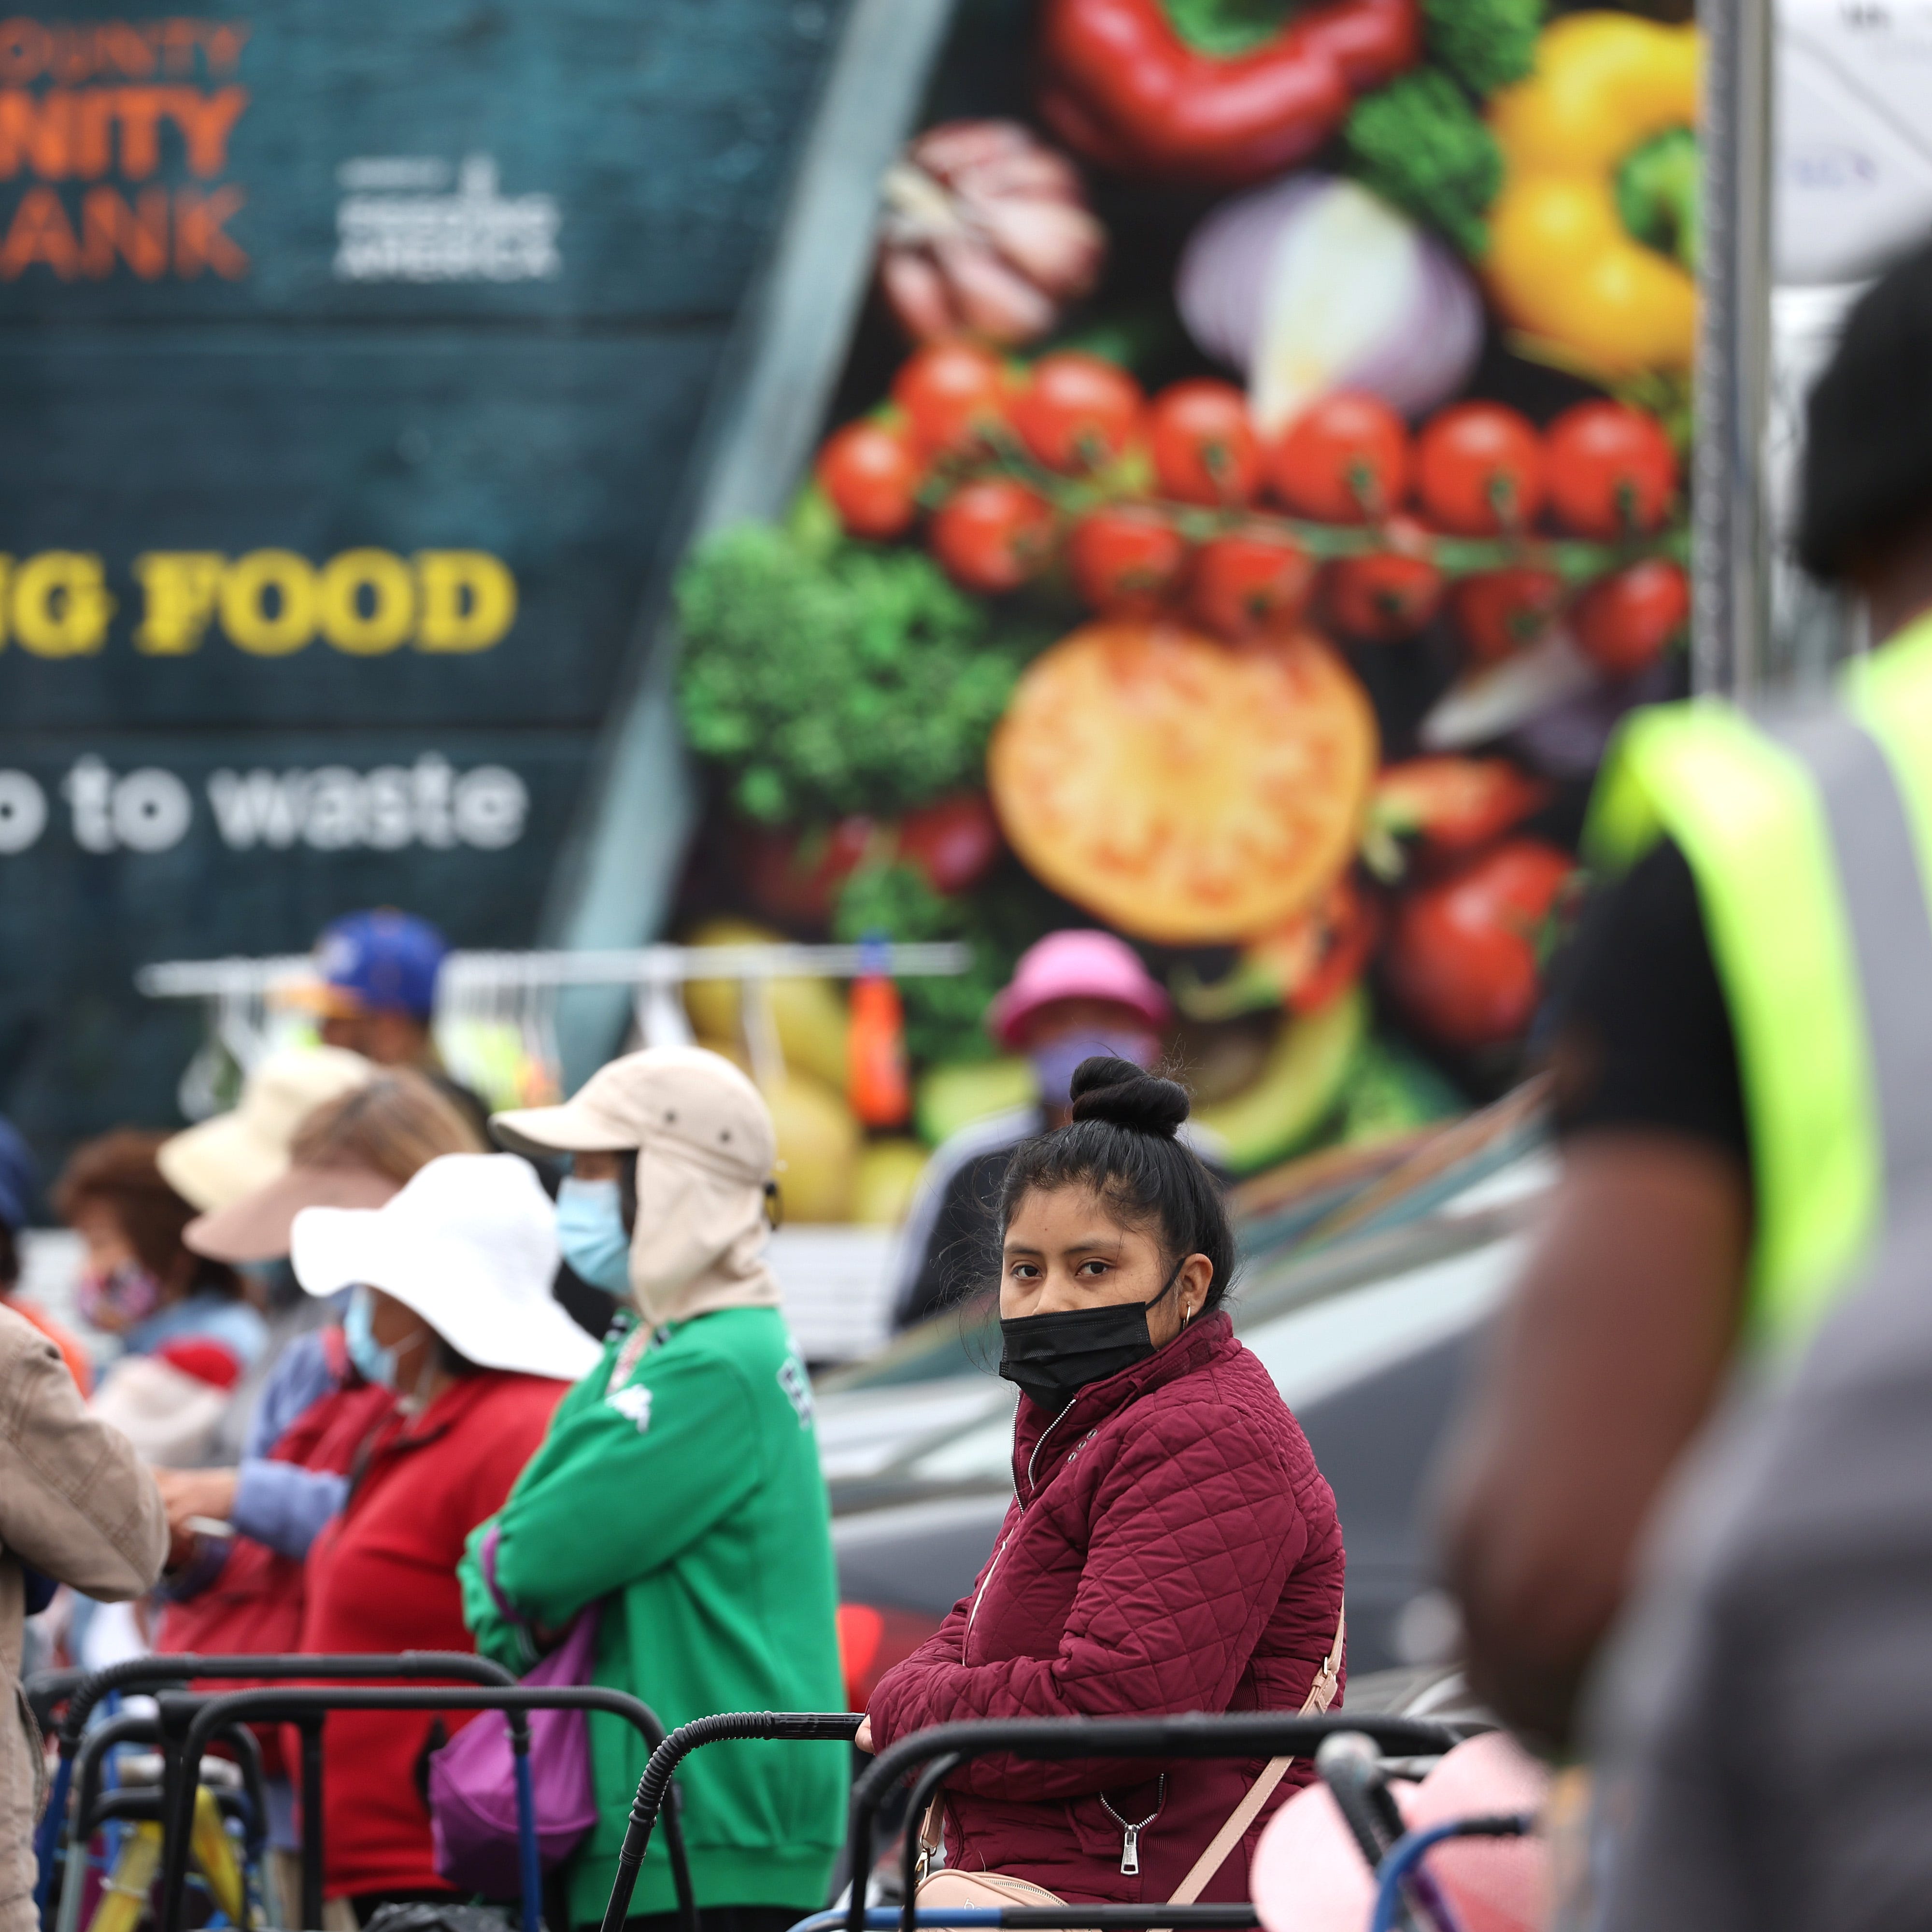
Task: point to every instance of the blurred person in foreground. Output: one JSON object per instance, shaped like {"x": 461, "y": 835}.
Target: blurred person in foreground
{"x": 450, "y": 1310}
{"x": 76, "y": 1508}
{"x": 376, "y": 995}
{"x": 1073, "y": 995}
{"x": 1714, "y": 1062}
{"x": 18, "y": 1179}
{"x": 186, "y": 1331}
{"x": 691, "y": 1448}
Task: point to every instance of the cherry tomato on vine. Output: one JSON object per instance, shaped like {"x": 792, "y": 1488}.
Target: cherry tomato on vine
{"x": 952, "y": 392}
{"x": 1501, "y": 612}
{"x": 1204, "y": 447}
{"x": 1246, "y": 585}
{"x": 1345, "y": 459}
{"x": 1623, "y": 622}
{"x": 872, "y": 476}
{"x": 1613, "y": 471}
{"x": 992, "y": 535}
{"x": 1479, "y": 470}
{"x": 1385, "y": 597}
{"x": 1464, "y": 959}
{"x": 1077, "y": 412}
{"x": 1125, "y": 558}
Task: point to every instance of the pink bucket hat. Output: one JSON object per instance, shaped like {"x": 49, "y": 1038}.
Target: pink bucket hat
{"x": 1077, "y": 965}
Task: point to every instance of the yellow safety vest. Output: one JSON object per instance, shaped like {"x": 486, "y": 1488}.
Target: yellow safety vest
{"x": 1744, "y": 801}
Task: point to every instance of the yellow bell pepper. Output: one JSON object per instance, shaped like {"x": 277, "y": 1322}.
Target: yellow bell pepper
{"x": 1560, "y": 265}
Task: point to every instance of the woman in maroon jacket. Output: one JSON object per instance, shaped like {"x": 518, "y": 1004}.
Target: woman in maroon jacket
{"x": 1171, "y": 1545}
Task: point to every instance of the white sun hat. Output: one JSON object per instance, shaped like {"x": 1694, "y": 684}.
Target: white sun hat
{"x": 470, "y": 1244}
{"x": 223, "y": 1160}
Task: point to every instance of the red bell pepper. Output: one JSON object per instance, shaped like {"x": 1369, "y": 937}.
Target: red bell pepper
{"x": 1123, "y": 88}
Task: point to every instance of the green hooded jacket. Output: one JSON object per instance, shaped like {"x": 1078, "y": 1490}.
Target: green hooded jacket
{"x": 688, "y": 1499}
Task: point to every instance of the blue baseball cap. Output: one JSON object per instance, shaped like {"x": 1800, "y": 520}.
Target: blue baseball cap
{"x": 379, "y": 962}
{"x": 18, "y": 1177}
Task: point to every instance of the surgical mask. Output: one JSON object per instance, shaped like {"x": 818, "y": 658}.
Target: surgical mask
{"x": 590, "y": 1230}
{"x": 1055, "y": 1064}
{"x": 376, "y": 1363}
{"x": 1053, "y": 1357}
{"x": 118, "y": 1298}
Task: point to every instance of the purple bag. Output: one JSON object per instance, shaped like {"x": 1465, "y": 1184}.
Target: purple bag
{"x": 472, "y": 1789}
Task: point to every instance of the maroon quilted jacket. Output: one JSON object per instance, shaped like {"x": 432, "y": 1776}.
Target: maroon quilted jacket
{"x": 1171, "y": 1547}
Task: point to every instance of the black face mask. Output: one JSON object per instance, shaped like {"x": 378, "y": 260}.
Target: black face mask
{"x": 1054, "y": 1357}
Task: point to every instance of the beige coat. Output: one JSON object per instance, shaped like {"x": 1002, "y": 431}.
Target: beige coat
{"x": 76, "y": 1503}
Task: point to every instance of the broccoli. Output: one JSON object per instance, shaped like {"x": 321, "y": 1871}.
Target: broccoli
{"x": 1418, "y": 143}
{"x": 854, "y": 679}
{"x": 1485, "y": 44}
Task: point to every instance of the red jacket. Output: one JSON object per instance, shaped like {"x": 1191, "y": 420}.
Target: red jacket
{"x": 253, "y": 1605}
{"x": 382, "y": 1577}
{"x": 1171, "y": 1547}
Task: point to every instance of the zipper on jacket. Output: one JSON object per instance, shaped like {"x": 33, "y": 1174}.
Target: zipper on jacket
{"x": 1130, "y": 1833}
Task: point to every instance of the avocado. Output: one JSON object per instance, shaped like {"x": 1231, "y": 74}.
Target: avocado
{"x": 1298, "y": 1089}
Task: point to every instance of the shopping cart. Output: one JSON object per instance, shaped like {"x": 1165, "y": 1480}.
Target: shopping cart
{"x": 84, "y": 1692}
{"x": 934, "y": 1755}
{"x": 196, "y": 1722}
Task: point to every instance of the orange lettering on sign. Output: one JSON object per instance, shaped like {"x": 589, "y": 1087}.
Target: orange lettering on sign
{"x": 141, "y": 109}
{"x": 138, "y": 235}
{"x": 35, "y": 130}
{"x": 24, "y": 49}
{"x": 41, "y": 233}
{"x": 223, "y": 44}
{"x": 200, "y": 242}
{"x": 206, "y": 121}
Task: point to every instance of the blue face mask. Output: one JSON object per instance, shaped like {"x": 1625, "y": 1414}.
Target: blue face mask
{"x": 590, "y": 1230}
{"x": 1055, "y": 1064}
{"x": 376, "y": 1363}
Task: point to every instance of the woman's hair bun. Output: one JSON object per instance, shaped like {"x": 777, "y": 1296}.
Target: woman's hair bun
{"x": 1119, "y": 1092}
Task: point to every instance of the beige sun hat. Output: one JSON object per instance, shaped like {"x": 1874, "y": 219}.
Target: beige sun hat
{"x": 222, "y": 1160}
{"x": 470, "y": 1244}
{"x": 706, "y": 1149}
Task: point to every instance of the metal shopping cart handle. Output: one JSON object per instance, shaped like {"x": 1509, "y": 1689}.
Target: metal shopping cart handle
{"x": 1192, "y": 1735}
{"x": 306, "y": 1705}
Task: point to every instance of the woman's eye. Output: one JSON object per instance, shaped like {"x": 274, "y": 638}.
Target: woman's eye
{"x": 1095, "y": 1267}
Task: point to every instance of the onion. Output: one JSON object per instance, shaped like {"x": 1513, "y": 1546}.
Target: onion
{"x": 1314, "y": 284}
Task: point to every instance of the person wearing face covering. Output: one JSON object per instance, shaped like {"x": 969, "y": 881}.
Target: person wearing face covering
{"x": 450, "y": 1310}
{"x": 1171, "y": 1547}
{"x": 678, "y": 1493}
{"x": 1073, "y": 995}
